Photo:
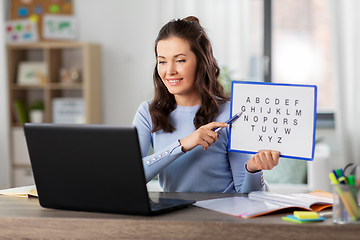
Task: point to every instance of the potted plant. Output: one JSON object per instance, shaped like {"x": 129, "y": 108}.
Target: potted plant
{"x": 36, "y": 112}
{"x": 225, "y": 80}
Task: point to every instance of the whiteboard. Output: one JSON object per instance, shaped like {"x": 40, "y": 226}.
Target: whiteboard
{"x": 275, "y": 116}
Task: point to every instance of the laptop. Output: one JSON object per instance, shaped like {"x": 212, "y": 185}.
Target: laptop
{"x": 90, "y": 167}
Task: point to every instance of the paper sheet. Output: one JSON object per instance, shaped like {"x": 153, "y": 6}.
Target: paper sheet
{"x": 280, "y": 117}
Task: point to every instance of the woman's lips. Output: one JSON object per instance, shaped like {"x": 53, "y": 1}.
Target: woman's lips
{"x": 173, "y": 81}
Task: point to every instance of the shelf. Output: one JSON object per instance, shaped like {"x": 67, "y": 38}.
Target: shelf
{"x": 65, "y": 86}
{"x": 47, "y": 86}
{"x": 83, "y": 57}
{"x": 25, "y": 87}
{"x": 49, "y": 45}
{"x": 21, "y": 165}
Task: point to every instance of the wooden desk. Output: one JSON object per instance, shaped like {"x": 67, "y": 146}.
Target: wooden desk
{"x": 25, "y": 218}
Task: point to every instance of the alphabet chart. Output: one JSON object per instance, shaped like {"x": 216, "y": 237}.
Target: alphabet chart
{"x": 275, "y": 116}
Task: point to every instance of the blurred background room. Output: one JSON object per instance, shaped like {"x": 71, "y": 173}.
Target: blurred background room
{"x": 101, "y": 58}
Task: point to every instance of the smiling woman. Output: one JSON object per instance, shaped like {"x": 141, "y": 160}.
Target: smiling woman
{"x": 189, "y": 103}
{"x": 194, "y": 42}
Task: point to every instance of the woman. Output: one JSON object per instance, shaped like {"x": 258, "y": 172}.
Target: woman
{"x": 188, "y": 104}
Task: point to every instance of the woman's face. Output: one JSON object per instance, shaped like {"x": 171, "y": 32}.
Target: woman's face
{"x": 176, "y": 65}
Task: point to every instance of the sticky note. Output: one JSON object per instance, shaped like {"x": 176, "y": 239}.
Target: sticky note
{"x": 306, "y": 215}
{"x": 292, "y": 218}
{"x": 289, "y": 219}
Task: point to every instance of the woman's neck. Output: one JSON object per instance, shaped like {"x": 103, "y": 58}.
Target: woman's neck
{"x": 186, "y": 101}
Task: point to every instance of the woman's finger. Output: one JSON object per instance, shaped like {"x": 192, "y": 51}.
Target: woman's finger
{"x": 213, "y": 125}
{"x": 210, "y": 140}
{"x": 267, "y": 159}
{"x": 275, "y": 155}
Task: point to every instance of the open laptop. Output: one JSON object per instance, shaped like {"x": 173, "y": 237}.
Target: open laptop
{"x": 95, "y": 168}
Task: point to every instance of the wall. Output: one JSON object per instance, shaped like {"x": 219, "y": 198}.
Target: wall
{"x": 4, "y": 146}
{"x": 126, "y": 31}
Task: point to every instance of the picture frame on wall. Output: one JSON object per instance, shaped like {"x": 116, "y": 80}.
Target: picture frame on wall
{"x": 21, "y": 31}
{"x": 59, "y": 27}
{"x": 31, "y": 73}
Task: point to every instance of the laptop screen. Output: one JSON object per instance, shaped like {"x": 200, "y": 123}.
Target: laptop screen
{"x": 88, "y": 167}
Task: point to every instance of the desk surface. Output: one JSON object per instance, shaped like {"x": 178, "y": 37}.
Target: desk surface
{"x": 25, "y": 218}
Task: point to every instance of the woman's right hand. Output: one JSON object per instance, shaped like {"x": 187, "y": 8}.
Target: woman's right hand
{"x": 204, "y": 136}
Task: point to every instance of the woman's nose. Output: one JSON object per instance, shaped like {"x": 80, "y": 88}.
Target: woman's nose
{"x": 171, "y": 69}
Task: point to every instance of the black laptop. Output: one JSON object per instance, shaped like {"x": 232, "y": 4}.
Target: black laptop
{"x": 95, "y": 168}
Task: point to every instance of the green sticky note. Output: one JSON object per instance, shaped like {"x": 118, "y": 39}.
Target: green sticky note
{"x": 291, "y": 220}
{"x": 54, "y": 8}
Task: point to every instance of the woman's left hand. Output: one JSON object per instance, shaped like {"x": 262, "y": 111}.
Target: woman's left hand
{"x": 263, "y": 160}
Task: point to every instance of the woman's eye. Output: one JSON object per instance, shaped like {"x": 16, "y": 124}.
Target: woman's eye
{"x": 161, "y": 62}
{"x": 180, "y": 61}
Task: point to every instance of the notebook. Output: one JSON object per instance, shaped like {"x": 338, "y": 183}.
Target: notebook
{"x": 95, "y": 168}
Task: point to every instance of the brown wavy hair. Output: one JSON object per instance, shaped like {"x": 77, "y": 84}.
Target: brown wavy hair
{"x": 206, "y": 80}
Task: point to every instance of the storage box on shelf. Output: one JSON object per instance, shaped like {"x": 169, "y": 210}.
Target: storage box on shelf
{"x": 72, "y": 71}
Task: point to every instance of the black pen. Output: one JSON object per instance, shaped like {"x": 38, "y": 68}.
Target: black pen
{"x": 230, "y": 121}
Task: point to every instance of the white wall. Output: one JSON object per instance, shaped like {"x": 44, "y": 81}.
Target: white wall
{"x": 4, "y": 145}
{"x": 126, "y": 31}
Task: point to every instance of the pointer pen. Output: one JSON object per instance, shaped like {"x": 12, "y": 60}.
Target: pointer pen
{"x": 230, "y": 121}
